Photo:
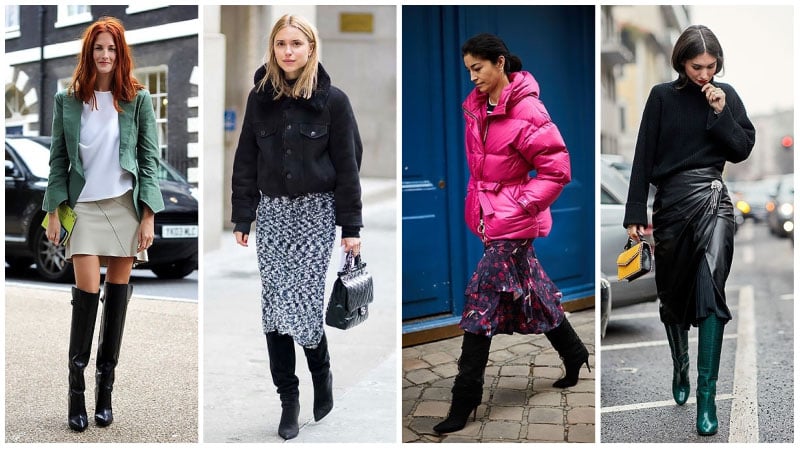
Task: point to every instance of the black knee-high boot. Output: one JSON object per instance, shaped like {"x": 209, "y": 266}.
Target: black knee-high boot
{"x": 468, "y": 385}
{"x": 115, "y": 307}
{"x": 282, "y": 367}
{"x": 319, "y": 363}
{"x": 84, "y": 314}
{"x": 571, "y": 350}
{"x": 679, "y": 345}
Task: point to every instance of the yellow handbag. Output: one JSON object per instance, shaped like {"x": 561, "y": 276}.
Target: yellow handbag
{"x": 635, "y": 260}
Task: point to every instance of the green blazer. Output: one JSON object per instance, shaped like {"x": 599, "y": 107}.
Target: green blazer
{"x": 138, "y": 152}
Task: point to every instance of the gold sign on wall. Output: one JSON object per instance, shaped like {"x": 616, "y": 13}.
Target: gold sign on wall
{"x": 356, "y": 23}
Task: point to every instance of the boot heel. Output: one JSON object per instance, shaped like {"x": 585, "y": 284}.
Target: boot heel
{"x": 587, "y": 365}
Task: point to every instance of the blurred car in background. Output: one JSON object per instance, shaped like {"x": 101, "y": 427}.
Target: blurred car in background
{"x": 780, "y": 207}
{"x": 174, "y": 251}
{"x": 751, "y": 197}
{"x": 613, "y": 195}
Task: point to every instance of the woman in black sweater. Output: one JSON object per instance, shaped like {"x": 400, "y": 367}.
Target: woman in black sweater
{"x": 690, "y": 128}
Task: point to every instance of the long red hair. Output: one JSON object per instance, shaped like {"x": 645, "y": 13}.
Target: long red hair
{"x": 123, "y": 84}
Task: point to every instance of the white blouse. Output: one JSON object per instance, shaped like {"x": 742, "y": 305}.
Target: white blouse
{"x": 99, "y": 150}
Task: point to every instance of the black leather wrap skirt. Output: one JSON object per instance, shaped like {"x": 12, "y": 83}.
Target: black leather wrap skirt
{"x": 693, "y": 228}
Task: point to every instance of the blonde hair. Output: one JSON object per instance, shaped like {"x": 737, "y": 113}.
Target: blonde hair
{"x": 307, "y": 81}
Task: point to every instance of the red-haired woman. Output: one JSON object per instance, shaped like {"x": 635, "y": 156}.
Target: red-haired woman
{"x": 103, "y": 163}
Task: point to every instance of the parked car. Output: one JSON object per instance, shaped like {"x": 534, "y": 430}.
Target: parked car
{"x": 751, "y": 197}
{"x": 613, "y": 194}
{"x": 174, "y": 251}
{"x": 780, "y": 207}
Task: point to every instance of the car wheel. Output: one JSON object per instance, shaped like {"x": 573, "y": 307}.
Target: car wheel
{"x": 51, "y": 260}
{"x": 176, "y": 270}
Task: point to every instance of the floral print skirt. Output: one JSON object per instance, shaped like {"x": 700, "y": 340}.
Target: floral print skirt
{"x": 510, "y": 293}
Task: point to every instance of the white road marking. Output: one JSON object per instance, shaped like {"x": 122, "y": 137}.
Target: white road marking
{"x": 659, "y": 404}
{"x": 744, "y": 410}
{"x": 787, "y": 297}
{"x": 747, "y": 253}
{"x": 651, "y": 343}
{"x": 647, "y": 315}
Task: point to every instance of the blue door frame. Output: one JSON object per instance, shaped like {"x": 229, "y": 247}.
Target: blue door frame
{"x": 556, "y": 44}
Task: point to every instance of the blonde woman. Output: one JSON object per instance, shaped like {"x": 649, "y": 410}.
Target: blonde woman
{"x": 296, "y": 174}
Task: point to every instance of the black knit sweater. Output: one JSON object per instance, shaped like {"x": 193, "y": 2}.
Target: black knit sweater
{"x": 680, "y": 131}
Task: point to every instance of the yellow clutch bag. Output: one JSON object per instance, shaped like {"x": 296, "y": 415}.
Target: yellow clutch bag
{"x": 67, "y": 218}
{"x": 635, "y": 260}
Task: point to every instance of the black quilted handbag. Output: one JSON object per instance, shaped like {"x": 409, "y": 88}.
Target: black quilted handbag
{"x": 351, "y": 295}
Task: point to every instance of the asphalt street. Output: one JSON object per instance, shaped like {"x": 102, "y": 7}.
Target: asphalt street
{"x": 755, "y": 391}
{"x": 155, "y": 393}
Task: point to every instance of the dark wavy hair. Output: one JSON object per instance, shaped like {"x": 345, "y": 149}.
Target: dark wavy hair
{"x": 694, "y": 41}
{"x": 490, "y": 47}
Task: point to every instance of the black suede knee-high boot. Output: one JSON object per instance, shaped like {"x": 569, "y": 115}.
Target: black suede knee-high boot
{"x": 468, "y": 385}
{"x": 115, "y": 306}
{"x": 319, "y": 363}
{"x": 571, "y": 350}
{"x": 84, "y": 314}
{"x": 282, "y": 367}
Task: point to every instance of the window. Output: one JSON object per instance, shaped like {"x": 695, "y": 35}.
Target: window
{"x": 12, "y": 22}
{"x": 69, "y": 15}
{"x": 155, "y": 80}
{"x": 144, "y": 6}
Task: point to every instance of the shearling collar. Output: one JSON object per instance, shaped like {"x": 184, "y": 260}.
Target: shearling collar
{"x": 318, "y": 98}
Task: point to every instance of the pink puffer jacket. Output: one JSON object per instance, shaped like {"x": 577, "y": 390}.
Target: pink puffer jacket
{"x": 502, "y": 148}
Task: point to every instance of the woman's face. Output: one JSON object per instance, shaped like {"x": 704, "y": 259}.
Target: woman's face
{"x": 701, "y": 69}
{"x": 292, "y": 50}
{"x": 104, "y": 52}
{"x": 483, "y": 73}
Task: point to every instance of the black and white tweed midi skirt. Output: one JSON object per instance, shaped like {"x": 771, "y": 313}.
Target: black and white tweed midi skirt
{"x": 294, "y": 242}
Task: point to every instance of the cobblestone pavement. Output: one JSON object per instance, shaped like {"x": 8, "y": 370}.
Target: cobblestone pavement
{"x": 519, "y": 402}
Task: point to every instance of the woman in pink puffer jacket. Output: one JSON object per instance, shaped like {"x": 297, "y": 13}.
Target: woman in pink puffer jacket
{"x": 508, "y": 135}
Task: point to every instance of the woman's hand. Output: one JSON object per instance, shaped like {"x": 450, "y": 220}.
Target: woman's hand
{"x": 53, "y": 231}
{"x": 241, "y": 238}
{"x": 352, "y": 244}
{"x": 634, "y": 231}
{"x": 146, "y": 229}
{"x": 715, "y": 97}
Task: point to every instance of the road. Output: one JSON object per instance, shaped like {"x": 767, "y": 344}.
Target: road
{"x": 146, "y": 284}
{"x": 755, "y": 391}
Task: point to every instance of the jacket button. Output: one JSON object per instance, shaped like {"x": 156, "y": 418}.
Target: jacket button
{"x": 288, "y": 176}
{"x": 288, "y": 127}
{"x": 313, "y": 133}
{"x": 263, "y": 133}
{"x": 288, "y": 151}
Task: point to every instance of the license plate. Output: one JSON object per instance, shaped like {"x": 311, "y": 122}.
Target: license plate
{"x": 178, "y": 231}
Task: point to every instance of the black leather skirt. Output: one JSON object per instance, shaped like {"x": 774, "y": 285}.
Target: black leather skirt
{"x": 693, "y": 228}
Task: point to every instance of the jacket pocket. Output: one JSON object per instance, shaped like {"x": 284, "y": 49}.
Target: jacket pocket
{"x": 509, "y": 219}
{"x": 315, "y": 138}
{"x": 265, "y": 134}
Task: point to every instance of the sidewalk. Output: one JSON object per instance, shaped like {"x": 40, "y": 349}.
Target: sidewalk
{"x": 155, "y": 394}
{"x": 519, "y": 402}
{"x": 241, "y": 404}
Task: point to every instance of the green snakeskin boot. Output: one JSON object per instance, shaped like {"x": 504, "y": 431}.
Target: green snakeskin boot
{"x": 679, "y": 344}
{"x": 709, "y": 348}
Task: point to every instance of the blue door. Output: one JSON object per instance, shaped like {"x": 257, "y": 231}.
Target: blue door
{"x": 556, "y": 44}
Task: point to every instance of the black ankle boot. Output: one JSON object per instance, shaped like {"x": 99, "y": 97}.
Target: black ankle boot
{"x": 319, "y": 364}
{"x": 115, "y": 306}
{"x": 468, "y": 385}
{"x": 282, "y": 368}
{"x": 571, "y": 350}
{"x": 84, "y": 313}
